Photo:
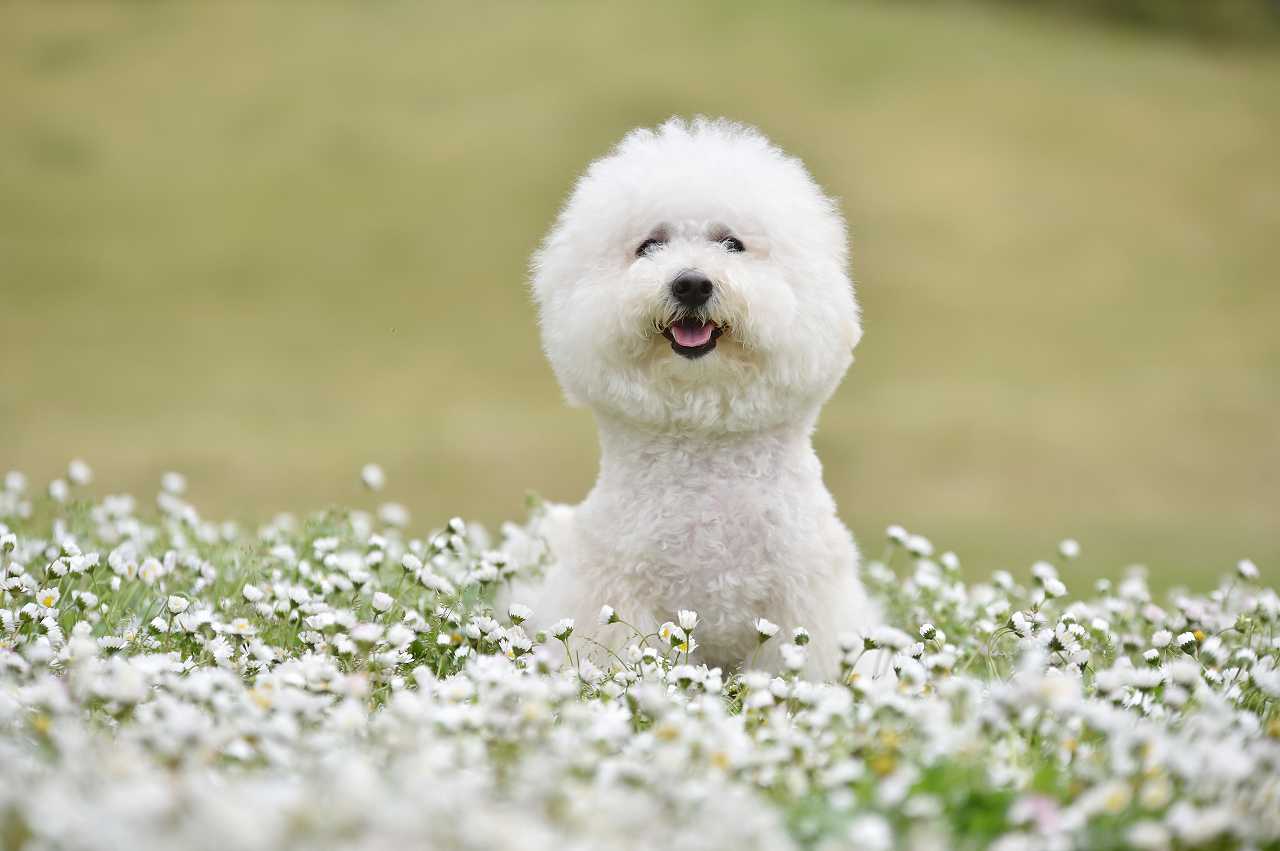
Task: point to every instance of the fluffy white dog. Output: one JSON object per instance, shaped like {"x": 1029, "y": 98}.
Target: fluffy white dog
{"x": 693, "y": 294}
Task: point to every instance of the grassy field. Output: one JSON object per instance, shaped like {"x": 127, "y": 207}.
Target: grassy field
{"x": 337, "y": 683}
{"x": 264, "y": 245}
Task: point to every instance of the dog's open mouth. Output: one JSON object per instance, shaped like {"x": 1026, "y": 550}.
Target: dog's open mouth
{"x": 692, "y": 338}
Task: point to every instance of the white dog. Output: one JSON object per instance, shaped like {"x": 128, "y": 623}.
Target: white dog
{"x": 693, "y": 294}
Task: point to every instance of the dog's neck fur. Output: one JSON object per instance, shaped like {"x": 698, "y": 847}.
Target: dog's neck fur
{"x": 630, "y": 454}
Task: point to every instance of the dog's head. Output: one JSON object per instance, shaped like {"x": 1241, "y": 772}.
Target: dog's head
{"x": 696, "y": 279}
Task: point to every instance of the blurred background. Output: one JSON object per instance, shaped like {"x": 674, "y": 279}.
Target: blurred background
{"x": 264, "y": 245}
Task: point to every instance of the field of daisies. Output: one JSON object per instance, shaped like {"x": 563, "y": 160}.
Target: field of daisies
{"x": 344, "y": 680}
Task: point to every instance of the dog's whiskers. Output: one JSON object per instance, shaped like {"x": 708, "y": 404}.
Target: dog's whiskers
{"x": 679, "y": 314}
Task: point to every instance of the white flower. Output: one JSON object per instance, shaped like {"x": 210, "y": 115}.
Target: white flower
{"x": 687, "y": 674}
{"x": 1161, "y": 638}
{"x": 48, "y": 597}
{"x": 1156, "y": 792}
{"x": 519, "y": 613}
{"x": 1267, "y": 681}
{"x": 1042, "y": 571}
{"x": 382, "y": 601}
{"x": 919, "y": 546}
{"x": 436, "y": 583}
{"x": 671, "y": 633}
{"x": 887, "y": 636}
{"x": 909, "y": 670}
{"x": 517, "y": 642}
{"x": 59, "y": 491}
{"x": 241, "y": 626}
{"x": 177, "y": 605}
{"x": 1069, "y": 548}
{"x": 320, "y": 621}
{"x": 870, "y": 833}
{"x": 252, "y": 593}
{"x": 1149, "y": 836}
{"x": 174, "y": 483}
{"x": 607, "y": 615}
{"x": 393, "y": 514}
{"x": 687, "y": 619}
{"x": 896, "y": 534}
{"x": 400, "y": 636}
{"x": 1186, "y": 642}
{"x": 150, "y": 570}
{"x": 793, "y": 656}
{"x": 1247, "y": 570}
{"x": 562, "y": 629}
{"x": 221, "y": 650}
{"x": 373, "y": 477}
{"x": 765, "y": 629}
{"x": 79, "y": 472}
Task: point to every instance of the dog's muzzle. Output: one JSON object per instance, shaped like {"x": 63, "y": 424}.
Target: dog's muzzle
{"x": 692, "y": 336}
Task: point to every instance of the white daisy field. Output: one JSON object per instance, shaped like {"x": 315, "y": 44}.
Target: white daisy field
{"x": 343, "y": 680}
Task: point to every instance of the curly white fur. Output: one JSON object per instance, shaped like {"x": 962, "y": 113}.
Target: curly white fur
{"x": 710, "y": 495}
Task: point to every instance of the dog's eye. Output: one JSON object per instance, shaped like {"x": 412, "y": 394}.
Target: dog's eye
{"x": 732, "y": 243}
{"x": 649, "y": 246}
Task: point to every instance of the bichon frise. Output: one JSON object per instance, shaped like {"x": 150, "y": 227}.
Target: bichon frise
{"x": 693, "y": 294}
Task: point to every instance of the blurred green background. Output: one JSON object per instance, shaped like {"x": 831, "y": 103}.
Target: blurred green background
{"x": 266, "y": 244}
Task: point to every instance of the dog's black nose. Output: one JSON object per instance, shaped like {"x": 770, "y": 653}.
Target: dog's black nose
{"x": 692, "y": 289}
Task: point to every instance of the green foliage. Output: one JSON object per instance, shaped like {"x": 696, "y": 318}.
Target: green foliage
{"x": 1218, "y": 20}
{"x": 340, "y": 675}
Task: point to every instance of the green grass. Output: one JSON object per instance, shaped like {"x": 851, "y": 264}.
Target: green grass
{"x": 266, "y": 244}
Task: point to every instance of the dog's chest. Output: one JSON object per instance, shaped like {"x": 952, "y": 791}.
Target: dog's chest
{"x": 724, "y": 535}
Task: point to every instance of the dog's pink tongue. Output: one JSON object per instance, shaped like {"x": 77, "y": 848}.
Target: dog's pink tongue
{"x": 692, "y": 334}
